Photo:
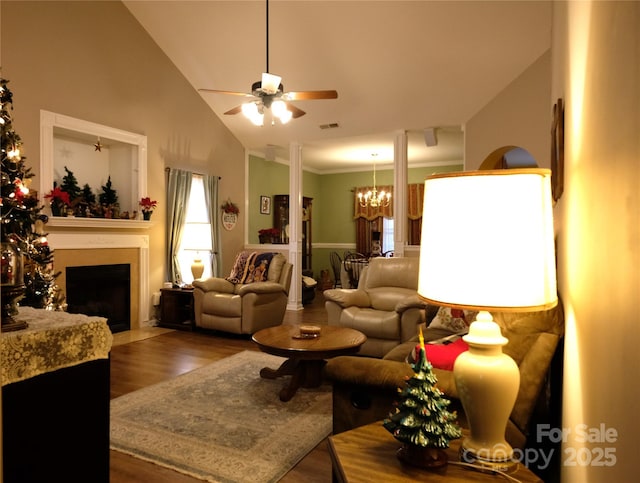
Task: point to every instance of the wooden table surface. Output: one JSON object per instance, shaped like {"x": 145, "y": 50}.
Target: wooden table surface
{"x": 305, "y": 357}
{"x": 368, "y": 453}
{"x": 333, "y": 341}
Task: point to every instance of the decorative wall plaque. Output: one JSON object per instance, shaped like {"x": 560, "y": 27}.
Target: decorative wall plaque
{"x": 229, "y": 221}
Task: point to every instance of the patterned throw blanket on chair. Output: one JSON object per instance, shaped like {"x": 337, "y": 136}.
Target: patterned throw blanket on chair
{"x": 250, "y": 267}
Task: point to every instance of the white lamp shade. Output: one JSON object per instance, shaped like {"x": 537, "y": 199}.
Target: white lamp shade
{"x": 487, "y": 240}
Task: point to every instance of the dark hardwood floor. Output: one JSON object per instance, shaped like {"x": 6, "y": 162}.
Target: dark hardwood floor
{"x": 138, "y": 364}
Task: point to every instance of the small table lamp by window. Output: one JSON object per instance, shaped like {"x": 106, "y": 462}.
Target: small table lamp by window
{"x": 197, "y": 237}
{"x": 488, "y": 245}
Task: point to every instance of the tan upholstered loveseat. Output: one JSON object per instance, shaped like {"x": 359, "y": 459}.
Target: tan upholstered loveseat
{"x": 385, "y": 306}
{"x": 240, "y": 307}
{"x": 364, "y": 388}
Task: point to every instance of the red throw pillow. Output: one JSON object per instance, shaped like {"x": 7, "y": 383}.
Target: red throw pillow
{"x": 443, "y": 356}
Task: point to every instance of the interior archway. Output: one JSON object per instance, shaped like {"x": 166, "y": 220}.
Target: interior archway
{"x": 508, "y": 157}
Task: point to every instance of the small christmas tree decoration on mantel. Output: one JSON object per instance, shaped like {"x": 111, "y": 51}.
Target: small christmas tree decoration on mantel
{"x": 421, "y": 420}
{"x": 109, "y": 200}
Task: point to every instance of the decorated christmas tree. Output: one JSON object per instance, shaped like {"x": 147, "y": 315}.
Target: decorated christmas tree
{"x": 26, "y": 255}
{"x": 421, "y": 420}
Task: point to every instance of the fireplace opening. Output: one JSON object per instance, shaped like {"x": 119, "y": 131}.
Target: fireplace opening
{"x": 101, "y": 290}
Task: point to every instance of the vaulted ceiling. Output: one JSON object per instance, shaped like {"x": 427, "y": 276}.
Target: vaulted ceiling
{"x": 397, "y": 65}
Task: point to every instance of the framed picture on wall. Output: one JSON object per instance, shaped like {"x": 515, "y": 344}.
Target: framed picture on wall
{"x": 265, "y": 205}
{"x": 557, "y": 151}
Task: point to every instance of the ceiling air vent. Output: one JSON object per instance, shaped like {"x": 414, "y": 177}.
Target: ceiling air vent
{"x": 331, "y": 125}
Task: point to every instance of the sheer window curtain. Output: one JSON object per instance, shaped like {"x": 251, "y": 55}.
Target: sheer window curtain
{"x": 178, "y": 190}
{"x": 211, "y": 184}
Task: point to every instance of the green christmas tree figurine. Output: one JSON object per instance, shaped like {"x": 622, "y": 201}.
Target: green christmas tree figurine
{"x": 86, "y": 202}
{"x": 421, "y": 420}
{"x": 70, "y": 186}
{"x": 109, "y": 200}
{"x": 87, "y": 195}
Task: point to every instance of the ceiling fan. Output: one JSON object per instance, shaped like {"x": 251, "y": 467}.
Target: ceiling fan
{"x": 269, "y": 93}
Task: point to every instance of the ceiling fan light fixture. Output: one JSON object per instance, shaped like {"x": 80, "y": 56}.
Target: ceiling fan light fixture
{"x": 270, "y": 83}
{"x": 252, "y": 112}
{"x": 279, "y": 109}
{"x": 286, "y": 117}
{"x": 268, "y": 91}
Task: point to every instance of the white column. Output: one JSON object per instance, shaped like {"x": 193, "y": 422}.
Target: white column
{"x": 295, "y": 225}
{"x": 400, "y": 177}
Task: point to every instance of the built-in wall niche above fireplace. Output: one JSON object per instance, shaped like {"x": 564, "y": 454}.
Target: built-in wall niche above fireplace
{"x": 93, "y": 153}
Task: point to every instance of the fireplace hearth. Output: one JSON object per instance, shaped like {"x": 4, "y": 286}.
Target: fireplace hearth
{"x": 101, "y": 290}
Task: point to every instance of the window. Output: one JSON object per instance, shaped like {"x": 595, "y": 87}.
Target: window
{"x": 196, "y": 238}
{"x": 387, "y": 234}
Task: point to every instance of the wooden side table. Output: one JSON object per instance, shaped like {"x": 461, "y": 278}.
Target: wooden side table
{"x": 368, "y": 453}
{"x": 176, "y": 309}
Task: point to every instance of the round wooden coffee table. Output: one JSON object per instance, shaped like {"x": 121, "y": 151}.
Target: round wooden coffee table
{"x": 305, "y": 356}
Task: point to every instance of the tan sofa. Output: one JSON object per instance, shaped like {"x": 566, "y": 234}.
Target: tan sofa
{"x": 385, "y": 306}
{"x": 364, "y": 389}
{"x": 243, "y": 308}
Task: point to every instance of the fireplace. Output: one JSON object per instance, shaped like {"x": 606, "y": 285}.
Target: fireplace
{"x": 74, "y": 248}
{"x": 102, "y": 290}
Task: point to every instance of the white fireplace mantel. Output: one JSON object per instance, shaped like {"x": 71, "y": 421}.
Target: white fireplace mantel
{"x": 103, "y": 223}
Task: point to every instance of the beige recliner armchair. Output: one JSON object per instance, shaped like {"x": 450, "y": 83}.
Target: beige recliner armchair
{"x": 246, "y": 301}
{"x": 385, "y": 306}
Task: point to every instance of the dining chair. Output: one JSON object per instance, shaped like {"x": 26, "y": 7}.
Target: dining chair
{"x": 336, "y": 265}
{"x": 354, "y": 263}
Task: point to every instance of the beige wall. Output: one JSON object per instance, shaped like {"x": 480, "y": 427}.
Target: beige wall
{"x": 594, "y": 65}
{"x": 93, "y": 61}
{"x": 519, "y": 116}
{"x": 597, "y": 70}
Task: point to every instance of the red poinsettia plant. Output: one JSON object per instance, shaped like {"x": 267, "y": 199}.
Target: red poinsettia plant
{"x": 148, "y": 205}
{"x": 58, "y": 196}
{"x": 230, "y": 207}
{"x": 269, "y": 232}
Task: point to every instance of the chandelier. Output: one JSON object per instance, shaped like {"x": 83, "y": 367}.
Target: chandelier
{"x": 373, "y": 198}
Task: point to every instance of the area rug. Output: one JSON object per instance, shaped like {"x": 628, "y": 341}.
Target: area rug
{"x": 222, "y": 422}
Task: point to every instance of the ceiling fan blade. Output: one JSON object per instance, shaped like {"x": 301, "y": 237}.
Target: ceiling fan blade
{"x": 310, "y": 95}
{"x": 233, "y": 93}
{"x": 295, "y": 111}
{"x": 235, "y": 110}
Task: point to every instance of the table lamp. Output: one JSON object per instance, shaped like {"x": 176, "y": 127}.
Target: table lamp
{"x": 488, "y": 245}
{"x": 197, "y": 237}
